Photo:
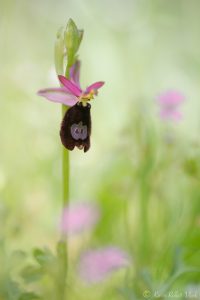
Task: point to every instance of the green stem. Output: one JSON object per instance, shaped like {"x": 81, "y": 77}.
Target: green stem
{"x": 62, "y": 250}
{"x": 65, "y": 169}
{"x": 62, "y": 264}
{"x": 144, "y": 223}
{"x": 65, "y": 159}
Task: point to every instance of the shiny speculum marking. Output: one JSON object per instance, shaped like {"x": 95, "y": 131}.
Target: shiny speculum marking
{"x": 79, "y": 131}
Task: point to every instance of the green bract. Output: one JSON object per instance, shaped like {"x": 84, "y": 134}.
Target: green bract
{"x": 72, "y": 40}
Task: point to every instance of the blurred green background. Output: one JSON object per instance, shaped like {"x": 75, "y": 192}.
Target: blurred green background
{"x": 139, "y": 48}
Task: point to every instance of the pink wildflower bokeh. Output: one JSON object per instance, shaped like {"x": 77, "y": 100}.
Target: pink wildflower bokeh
{"x": 96, "y": 265}
{"x": 79, "y": 217}
{"x": 170, "y": 102}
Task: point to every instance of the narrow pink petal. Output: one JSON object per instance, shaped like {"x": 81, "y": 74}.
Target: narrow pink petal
{"x": 96, "y": 265}
{"x": 75, "y": 73}
{"x": 94, "y": 86}
{"x": 59, "y": 95}
{"x": 72, "y": 87}
{"x": 79, "y": 217}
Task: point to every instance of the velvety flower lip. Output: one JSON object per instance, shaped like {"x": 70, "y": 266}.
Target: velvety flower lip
{"x": 78, "y": 218}
{"x": 96, "y": 265}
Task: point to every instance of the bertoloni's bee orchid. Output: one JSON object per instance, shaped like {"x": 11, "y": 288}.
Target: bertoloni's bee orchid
{"x": 76, "y": 124}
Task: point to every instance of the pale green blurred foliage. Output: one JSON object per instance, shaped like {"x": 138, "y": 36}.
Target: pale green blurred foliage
{"x": 139, "y": 48}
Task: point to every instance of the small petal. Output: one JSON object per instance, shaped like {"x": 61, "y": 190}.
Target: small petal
{"x": 171, "y": 97}
{"x": 59, "y": 95}
{"x": 78, "y": 218}
{"x": 96, "y": 265}
{"x": 75, "y": 73}
{"x": 173, "y": 115}
{"x": 73, "y": 88}
{"x": 94, "y": 86}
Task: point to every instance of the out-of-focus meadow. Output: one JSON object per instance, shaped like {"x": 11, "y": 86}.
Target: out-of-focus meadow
{"x": 142, "y": 171}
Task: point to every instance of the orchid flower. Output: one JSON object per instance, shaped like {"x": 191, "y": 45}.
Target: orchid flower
{"x": 169, "y": 102}
{"x": 76, "y": 124}
{"x": 70, "y": 93}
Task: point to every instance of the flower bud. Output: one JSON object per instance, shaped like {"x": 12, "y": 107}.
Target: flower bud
{"x": 80, "y": 34}
{"x": 72, "y": 40}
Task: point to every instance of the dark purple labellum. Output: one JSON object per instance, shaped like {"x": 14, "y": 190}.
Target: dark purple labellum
{"x": 76, "y": 127}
